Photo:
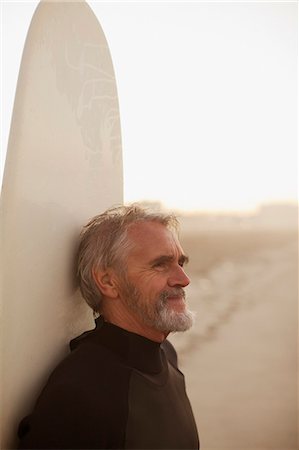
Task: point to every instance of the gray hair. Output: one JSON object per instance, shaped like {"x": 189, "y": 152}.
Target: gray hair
{"x": 104, "y": 243}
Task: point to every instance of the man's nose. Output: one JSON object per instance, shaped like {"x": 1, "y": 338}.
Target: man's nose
{"x": 178, "y": 277}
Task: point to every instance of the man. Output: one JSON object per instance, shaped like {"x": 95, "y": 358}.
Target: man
{"x": 120, "y": 386}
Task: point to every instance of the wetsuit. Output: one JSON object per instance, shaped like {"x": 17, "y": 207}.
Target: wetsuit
{"x": 115, "y": 389}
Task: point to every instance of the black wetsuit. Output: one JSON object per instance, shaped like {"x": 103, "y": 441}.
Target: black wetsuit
{"x": 117, "y": 390}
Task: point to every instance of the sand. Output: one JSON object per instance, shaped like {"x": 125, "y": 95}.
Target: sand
{"x": 240, "y": 358}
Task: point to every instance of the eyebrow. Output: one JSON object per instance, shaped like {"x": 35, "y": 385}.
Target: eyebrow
{"x": 183, "y": 259}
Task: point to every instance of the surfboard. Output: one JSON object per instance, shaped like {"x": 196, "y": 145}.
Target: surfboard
{"x": 63, "y": 166}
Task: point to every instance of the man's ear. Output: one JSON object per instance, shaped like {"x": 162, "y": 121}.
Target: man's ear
{"x": 106, "y": 282}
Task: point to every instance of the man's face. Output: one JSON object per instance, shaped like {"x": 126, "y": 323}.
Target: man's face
{"x": 152, "y": 289}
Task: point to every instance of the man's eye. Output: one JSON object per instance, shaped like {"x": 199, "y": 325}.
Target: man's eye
{"x": 159, "y": 265}
{"x": 183, "y": 261}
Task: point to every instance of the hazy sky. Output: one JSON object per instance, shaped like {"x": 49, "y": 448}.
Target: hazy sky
{"x": 207, "y": 92}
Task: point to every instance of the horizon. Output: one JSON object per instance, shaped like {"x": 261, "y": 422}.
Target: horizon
{"x": 277, "y": 204}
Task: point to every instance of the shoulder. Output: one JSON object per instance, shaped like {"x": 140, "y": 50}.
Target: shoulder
{"x": 88, "y": 370}
{"x": 77, "y": 407}
{"x": 88, "y": 373}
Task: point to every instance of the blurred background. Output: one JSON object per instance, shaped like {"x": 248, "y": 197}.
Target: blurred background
{"x": 208, "y": 102}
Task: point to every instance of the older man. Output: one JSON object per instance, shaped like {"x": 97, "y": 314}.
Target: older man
{"x": 120, "y": 386}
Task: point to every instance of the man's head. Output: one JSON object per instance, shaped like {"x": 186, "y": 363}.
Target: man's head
{"x": 130, "y": 268}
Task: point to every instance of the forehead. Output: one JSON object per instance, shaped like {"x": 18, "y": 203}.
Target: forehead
{"x": 153, "y": 238}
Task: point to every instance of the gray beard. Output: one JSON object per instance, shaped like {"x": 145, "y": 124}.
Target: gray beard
{"x": 159, "y": 314}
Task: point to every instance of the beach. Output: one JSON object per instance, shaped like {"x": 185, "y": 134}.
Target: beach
{"x": 240, "y": 357}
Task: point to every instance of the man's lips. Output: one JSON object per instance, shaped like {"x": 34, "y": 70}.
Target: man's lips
{"x": 177, "y": 298}
{"x": 175, "y": 294}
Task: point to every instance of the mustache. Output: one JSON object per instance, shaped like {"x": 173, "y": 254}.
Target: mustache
{"x": 175, "y": 292}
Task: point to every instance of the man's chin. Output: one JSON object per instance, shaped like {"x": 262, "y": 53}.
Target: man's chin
{"x": 172, "y": 320}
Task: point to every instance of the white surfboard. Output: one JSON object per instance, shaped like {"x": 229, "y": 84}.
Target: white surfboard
{"x": 63, "y": 166}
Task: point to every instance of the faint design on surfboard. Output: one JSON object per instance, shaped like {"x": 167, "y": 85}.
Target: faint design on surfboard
{"x": 81, "y": 74}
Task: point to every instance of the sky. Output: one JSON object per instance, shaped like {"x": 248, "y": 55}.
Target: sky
{"x": 207, "y": 94}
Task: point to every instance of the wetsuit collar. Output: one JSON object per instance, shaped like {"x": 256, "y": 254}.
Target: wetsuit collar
{"x": 136, "y": 351}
